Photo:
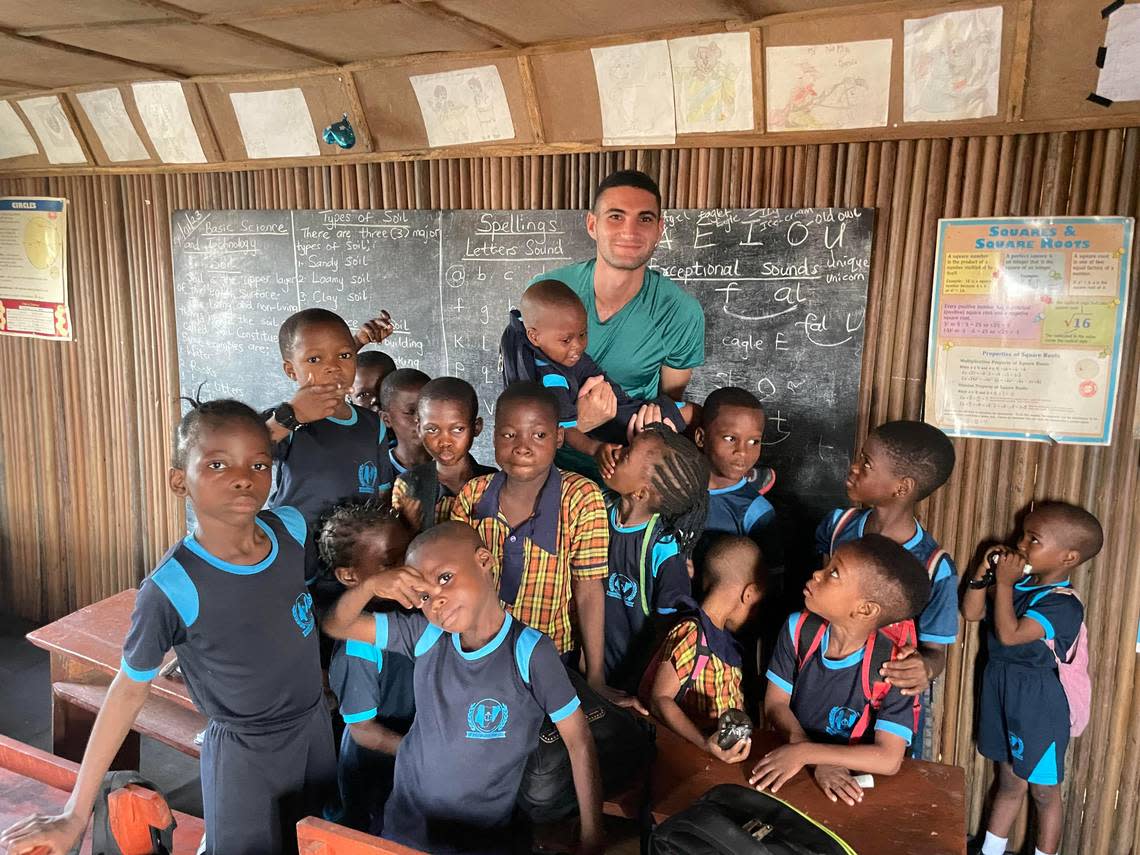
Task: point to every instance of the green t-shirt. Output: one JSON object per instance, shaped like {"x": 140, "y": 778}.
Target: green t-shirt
{"x": 661, "y": 325}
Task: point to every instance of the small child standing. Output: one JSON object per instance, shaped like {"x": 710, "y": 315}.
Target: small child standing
{"x": 359, "y": 540}
{"x": 656, "y": 515}
{"x": 230, "y": 599}
{"x": 1032, "y": 621}
{"x": 483, "y": 683}
{"x": 448, "y": 422}
{"x": 399, "y": 396}
{"x": 690, "y": 701}
{"x": 372, "y": 366}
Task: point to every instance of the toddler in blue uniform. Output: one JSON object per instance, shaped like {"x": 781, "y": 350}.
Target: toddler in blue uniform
{"x": 899, "y": 465}
{"x": 399, "y": 397}
{"x": 1032, "y": 620}
{"x": 657, "y": 510}
{"x": 816, "y": 696}
{"x": 358, "y": 540}
{"x": 483, "y": 683}
{"x": 230, "y": 599}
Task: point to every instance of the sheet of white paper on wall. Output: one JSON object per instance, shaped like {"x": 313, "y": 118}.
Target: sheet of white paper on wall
{"x": 54, "y": 129}
{"x": 1119, "y": 80}
{"x": 952, "y": 65}
{"x": 275, "y": 123}
{"x": 166, "y": 117}
{"x": 635, "y": 87}
{"x": 15, "y": 141}
{"x": 829, "y": 86}
{"x": 712, "y": 82}
{"x": 464, "y": 106}
{"x": 108, "y": 116}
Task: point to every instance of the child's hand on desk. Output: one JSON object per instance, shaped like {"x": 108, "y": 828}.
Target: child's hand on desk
{"x": 836, "y": 782}
{"x": 778, "y": 766}
{"x": 315, "y": 401}
{"x": 42, "y": 835}
{"x": 736, "y": 754}
{"x": 909, "y": 673}
{"x": 399, "y": 585}
{"x": 375, "y": 330}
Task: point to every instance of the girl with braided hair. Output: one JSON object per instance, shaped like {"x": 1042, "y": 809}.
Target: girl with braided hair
{"x": 657, "y": 505}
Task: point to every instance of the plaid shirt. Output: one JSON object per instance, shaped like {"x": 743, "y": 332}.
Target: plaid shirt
{"x": 566, "y": 539}
{"x": 715, "y": 690}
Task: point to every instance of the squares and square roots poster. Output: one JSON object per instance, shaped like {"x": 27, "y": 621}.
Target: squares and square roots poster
{"x": 1026, "y": 327}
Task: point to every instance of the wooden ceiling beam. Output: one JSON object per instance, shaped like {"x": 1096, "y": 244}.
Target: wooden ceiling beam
{"x": 8, "y": 83}
{"x": 292, "y": 10}
{"x": 474, "y": 28}
{"x": 38, "y": 41}
{"x": 97, "y": 25}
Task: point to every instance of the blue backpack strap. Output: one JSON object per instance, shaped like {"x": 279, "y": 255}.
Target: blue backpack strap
{"x": 524, "y": 648}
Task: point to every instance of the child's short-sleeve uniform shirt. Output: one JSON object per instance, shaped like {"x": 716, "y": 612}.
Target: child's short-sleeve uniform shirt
{"x": 566, "y": 539}
{"x": 717, "y": 688}
{"x": 478, "y": 715}
{"x": 827, "y": 694}
{"x": 938, "y": 622}
{"x": 739, "y": 509}
{"x": 372, "y": 685}
{"x": 330, "y": 460}
{"x": 445, "y": 498}
{"x": 647, "y": 575}
{"x": 1024, "y": 714}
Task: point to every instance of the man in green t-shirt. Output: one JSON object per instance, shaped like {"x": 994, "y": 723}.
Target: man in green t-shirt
{"x": 645, "y": 332}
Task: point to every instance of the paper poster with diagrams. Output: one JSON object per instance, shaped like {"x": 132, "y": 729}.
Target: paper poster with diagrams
{"x": 826, "y": 87}
{"x": 1026, "y": 327}
{"x": 108, "y": 116}
{"x": 635, "y": 87}
{"x": 1119, "y": 78}
{"x": 15, "y": 141}
{"x": 52, "y": 126}
{"x": 275, "y": 123}
{"x": 33, "y": 268}
{"x": 952, "y": 65}
{"x": 712, "y": 82}
{"x": 465, "y": 106}
{"x": 166, "y": 116}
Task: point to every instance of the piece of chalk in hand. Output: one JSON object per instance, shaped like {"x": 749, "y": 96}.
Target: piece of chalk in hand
{"x": 865, "y": 781}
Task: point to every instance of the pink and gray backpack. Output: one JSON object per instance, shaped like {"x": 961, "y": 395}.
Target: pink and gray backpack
{"x": 1073, "y": 672}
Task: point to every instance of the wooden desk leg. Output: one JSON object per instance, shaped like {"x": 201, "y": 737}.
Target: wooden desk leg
{"x": 71, "y": 725}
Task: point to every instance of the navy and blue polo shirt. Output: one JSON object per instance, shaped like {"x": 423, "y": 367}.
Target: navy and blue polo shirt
{"x": 739, "y": 509}
{"x": 372, "y": 685}
{"x": 827, "y": 694}
{"x": 636, "y": 589}
{"x": 1023, "y": 711}
{"x": 478, "y": 715}
{"x": 938, "y": 622}
{"x": 326, "y": 461}
{"x": 245, "y": 635}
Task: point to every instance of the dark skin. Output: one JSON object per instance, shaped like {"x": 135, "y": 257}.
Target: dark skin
{"x": 836, "y": 594}
{"x": 365, "y": 391}
{"x": 447, "y": 429}
{"x": 453, "y": 584}
{"x": 731, "y": 442}
{"x": 1044, "y": 544}
{"x": 401, "y": 416}
{"x": 872, "y": 480}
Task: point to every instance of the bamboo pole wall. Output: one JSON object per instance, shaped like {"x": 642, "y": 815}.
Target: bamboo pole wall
{"x": 84, "y": 510}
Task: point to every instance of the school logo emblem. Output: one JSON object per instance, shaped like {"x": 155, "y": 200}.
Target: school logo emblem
{"x": 487, "y": 719}
{"x": 367, "y": 474}
{"x": 303, "y": 613}
{"x": 1016, "y": 747}
{"x": 841, "y": 721}
{"x": 621, "y": 588}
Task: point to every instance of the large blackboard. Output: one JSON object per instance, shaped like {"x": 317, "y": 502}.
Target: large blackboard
{"x": 784, "y": 293}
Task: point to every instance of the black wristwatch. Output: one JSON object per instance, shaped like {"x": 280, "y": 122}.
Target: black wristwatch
{"x": 988, "y": 579}
{"x": 284, "y": 415}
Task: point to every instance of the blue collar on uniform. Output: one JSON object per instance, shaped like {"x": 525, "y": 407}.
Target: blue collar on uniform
{"x": 730, "y": 489}
{"x": 1024, "y": 585}
{"x": 396, "y": 464}
{"x": 191, "y": 543}
{"x": 915, "y": 539}
{"x": 490, "y": 647}
{"x": 351, "y": 420}
{"x": 837, "y": 664}
{"x": 624, "y": 529}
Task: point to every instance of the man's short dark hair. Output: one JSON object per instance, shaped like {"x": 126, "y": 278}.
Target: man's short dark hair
{"x": 919, "y": 451}
{"x": 376, "y": 359}
{"x": 1080, "y": 529}
{"x": 892, "y": 577}
{"x": 452, "y": 389}
{"x": 627, "y": 178}
{"x": 401, "y": 380}
{"x": 296, "y": 322}
{"x": 729, "y": 396}
{"x": 527, "y": 392}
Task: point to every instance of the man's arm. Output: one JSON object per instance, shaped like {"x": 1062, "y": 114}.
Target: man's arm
{"x": 674, "y": 381}
{"x": 579, "y": 742}
{"x": 590, "y": 596}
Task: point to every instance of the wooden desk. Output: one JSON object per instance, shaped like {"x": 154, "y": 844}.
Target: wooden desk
{"x": 922, "y": 809}
{"x": 33, "y": 781}
{"x": 86, "y": 647}
{"x": 318, "y": 837}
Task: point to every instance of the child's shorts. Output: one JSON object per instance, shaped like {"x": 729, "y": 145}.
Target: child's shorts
{"x": 1024, "y": 721}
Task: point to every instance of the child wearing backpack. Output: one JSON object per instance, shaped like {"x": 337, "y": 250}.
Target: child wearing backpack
{"x": 1035, "y": 689}
{"x": 825, "y": 694}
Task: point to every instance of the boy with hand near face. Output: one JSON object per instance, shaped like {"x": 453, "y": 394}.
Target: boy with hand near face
{"x": 399, "y": 397}
{"x": 372, "y": 366}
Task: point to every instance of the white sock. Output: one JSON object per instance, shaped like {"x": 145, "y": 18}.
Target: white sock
{"x": 993, "y": 844}
{"x": 1037, "y": 851}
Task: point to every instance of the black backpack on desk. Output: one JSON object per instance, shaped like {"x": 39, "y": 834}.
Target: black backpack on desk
{"x": 734, "y": 820}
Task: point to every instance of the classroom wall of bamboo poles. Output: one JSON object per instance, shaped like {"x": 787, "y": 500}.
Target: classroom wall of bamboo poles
{"x": 84, "y": 427}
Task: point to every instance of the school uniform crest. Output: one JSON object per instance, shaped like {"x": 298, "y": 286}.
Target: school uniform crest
{"x": 366, "y": 475}
{"x": 621, "y": 587}
{"x": 1016, "y": 747}
{"x": 487, "y": 719}
{"x": 303, "y": 613}
{"x": 841, "y": 721}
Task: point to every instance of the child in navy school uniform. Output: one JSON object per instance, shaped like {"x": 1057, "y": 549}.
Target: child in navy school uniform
{"x": 657, "y": 510}
{"x": 230, "y": 599}
{"x": 399, "y": 397}
{"x": 372, "y": 366}
{"x": 899, "y": 465}
{"x": 358, "y": 540}
{"x": 1031, "y": 621}
{"x": 448, "y": 422}
{"x": 820, "y": 704}
{"x": 484, "y": 683}
{"x": 327, "y": 449}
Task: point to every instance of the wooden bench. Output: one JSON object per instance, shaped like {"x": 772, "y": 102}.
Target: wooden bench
{"x": 159, "y": 718}
{"x": 318, "y": 837}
